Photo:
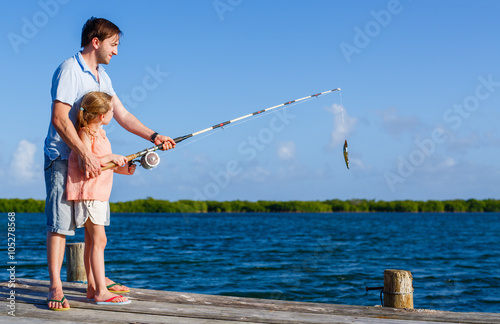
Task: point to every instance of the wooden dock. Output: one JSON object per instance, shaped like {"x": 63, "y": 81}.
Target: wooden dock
{"x": 153, "y": 306}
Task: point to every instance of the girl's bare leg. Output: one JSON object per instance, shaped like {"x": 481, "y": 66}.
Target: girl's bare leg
{"x": 97, "y": 235}
{"x": 86, "y": 259}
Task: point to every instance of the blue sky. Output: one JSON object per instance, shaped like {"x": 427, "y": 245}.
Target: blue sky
{"x": 420, "y": 89}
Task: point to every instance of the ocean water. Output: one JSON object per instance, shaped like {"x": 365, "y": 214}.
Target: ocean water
{"x": 326, "y": 258}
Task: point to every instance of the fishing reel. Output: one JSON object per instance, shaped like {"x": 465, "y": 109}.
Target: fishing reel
{"x": 149, "y": 160}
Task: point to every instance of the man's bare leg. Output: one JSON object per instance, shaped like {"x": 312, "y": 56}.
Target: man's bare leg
{"x": 56, "y": 244}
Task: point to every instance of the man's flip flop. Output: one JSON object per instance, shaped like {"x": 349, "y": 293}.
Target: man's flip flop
{"x": 117, "y": 291}
{"x": 58, "y": 301}
{"x": 110, "y": 302}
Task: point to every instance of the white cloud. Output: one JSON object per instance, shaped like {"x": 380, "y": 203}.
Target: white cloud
{"x": 23, "y": 167}
{"x": 343, "y": 124}
{"x": 395, "y": 124}
{"x": 286, "y": 150}
{"x": 449, "y": 162}
{"x": 257, "y": 173}
{"x": 358, "y": 164}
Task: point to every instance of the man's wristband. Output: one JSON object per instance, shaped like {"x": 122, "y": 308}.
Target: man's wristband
{"x": 153, "y": 137}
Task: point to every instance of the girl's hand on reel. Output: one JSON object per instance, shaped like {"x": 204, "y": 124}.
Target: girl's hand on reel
{"x": 131, "y": 168}
{"x": 127, "y": 169}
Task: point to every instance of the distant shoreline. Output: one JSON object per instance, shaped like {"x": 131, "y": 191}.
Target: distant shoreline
{"x": 151, "y": 205}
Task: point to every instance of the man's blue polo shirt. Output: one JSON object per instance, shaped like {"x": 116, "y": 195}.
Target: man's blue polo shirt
{"x": 71, "y": 81}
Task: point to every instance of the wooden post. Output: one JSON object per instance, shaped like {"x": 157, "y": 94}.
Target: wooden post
{"x": 75, "y": 267}
{"x": 398, "y": 289}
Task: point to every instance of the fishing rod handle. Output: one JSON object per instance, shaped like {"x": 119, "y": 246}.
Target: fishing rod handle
{"x": 133, "y": 156}
{"x": 112, "y": 165}
{"x": 181, "y": 138}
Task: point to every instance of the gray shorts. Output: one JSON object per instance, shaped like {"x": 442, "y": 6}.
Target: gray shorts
{"x": 59, "y": 211}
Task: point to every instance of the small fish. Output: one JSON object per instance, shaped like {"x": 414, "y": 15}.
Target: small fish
{"x": 346, "y": 158}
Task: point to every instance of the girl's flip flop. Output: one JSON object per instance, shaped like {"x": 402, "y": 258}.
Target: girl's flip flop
{"x": 117, "y": 291}
{"x": 110, "y": 302}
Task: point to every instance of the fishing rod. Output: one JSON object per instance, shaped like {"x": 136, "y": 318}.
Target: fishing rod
{"x": 150, "y": 159}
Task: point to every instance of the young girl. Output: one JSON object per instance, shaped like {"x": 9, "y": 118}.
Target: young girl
{"x": 91, "y": 195}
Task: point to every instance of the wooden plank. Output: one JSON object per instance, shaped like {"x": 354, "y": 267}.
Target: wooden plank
{"x": 35, "y": 313}
{"x": 162, "y": 306}
{"x": 154, "y": 312}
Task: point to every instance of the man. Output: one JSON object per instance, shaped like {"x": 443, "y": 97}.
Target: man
{"x": 74, "y": 78}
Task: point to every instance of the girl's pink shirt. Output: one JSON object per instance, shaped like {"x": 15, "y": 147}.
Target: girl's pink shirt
{"x": 98, "y": 188}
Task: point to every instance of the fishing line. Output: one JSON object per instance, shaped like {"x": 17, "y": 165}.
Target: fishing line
{"x": 346, "y": 155}
{"x": 342, "y": 111}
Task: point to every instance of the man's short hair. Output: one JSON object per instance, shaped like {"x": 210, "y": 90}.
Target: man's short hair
{"x": 100, "y": 28}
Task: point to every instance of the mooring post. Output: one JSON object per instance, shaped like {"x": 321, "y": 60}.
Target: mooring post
{"x": 75, "y": 267}
{"x": 398, "y": 289}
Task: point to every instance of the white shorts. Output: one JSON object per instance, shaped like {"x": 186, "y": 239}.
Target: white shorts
{"x": 95, "y": 210}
